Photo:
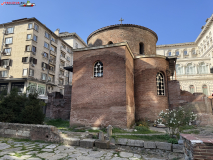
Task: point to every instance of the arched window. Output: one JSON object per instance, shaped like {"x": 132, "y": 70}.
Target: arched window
{"x": 169, "y": 53}
{"x": 205, "y": 90}
{"x": 141, "y": 48}
{"x": 193, "y": 51}
{"x": 185, "y": 52}
{"x": 110, "y": 42}
{"x": 98, "y": 69}
{"x": 179, "y": 69}
{"x": 191, "y": 89}
{"x": 160, "y": 84}
{"x": 202, "y": 68}
{"x": 177, "y": 53}
{"x": 190, "y": 69}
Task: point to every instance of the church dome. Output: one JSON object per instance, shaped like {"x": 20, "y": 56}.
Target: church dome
{"x": 135, "y": 35}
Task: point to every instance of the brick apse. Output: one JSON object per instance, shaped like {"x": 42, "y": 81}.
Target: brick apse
{"x": 119, "y": 79}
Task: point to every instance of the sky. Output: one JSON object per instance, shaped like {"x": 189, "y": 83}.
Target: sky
{"x": 174, "y": 21}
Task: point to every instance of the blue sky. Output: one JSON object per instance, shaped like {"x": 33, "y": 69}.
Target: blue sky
{"x": 174, "y": 21}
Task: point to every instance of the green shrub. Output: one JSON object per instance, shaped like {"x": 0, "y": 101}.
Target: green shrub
{"x": 18, "y": 108}
{"x": 141, "y": 128}
{"x": 173, "y": 141}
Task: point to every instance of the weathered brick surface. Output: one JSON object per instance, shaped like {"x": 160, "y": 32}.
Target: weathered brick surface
{"x": 103, "y": 100}
{"x": 131, "y": 34}
{"x": 59, "y": 107}
{"x": 147, "y": 103}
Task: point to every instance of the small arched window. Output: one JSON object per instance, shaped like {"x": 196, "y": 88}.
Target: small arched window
{"x": 191, "y": 89}
{"x": 205, "y": 90}
{"x": 160, "y": 84}
{"x": 177, "y": 53}
{"x": 110, "y": 42}
{"x": 185, "y": 52}
{"x": 141, "y": 48}
{"x": 98, "y": 69}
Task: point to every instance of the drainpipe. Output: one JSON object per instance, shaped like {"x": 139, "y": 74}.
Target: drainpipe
{"x": 2, "y": 43}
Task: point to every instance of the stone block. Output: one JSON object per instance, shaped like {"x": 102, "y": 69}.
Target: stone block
{"x": 164, "y": 146}
{"x": 87, "y": 143}
{"x": 135, "y": 143}
{"x": 102, "y": 144}
{"x": 122, "y": 141}
{"x": 149, "y": 144}
{"x": 72, "y": 141}
{"x": 177, "y": 148}
{"x": 10, "y": 131}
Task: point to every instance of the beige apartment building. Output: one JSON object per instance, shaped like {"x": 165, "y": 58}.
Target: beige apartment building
{"x": 194, "y": 60}
{"x": 33, "y": 58}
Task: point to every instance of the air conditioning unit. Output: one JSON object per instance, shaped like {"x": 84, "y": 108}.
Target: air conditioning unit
{"x": 43, "y": 69}
{"x": 4, "y": 66}
{"x": 8, "y": 54}
{"x": 10, "y": 76}
{"x": 33, "y": 65}
{"x": 5, "y": 32}
{"x": 34, "y": 53}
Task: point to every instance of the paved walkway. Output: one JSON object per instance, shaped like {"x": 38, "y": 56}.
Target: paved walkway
{"x": 13, "y": 149}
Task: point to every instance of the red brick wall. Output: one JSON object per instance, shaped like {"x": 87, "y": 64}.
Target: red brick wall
{"x": 132, "y": 35}
{"x": 100, "y": 101}
{"x": 147, "y": 103}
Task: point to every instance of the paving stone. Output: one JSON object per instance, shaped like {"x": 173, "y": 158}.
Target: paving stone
{"x": 75, "y": 155}
{"x": 47, "y": 150}
{"x": 34, "y": 159}
{"x": 86, "y": 158}
{"x": 164, "y": 146}
{"x": 137, "y": 156}
{"x": 51, "y": 146}
{"x": 149, "y": 144}
{"x": 58, "y": 156}
{"x": 126, "y": 154}
{"x": 96, "y": 154}
{"x": 32, "y": 152}
{"x": 45, "y": 155}
{"x": 4, "y": 146}
{"x": 72, "y": 141}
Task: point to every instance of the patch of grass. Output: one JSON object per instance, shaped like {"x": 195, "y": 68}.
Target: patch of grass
{"x": 187, "y": 127}
{"x": 58, "y": 123}
{"x": 192, "y": 132}
{"x": 161, "y": 138}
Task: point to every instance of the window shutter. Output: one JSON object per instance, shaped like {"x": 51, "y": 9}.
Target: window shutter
{"x": 10, "y": 63}
{"x": 31, "y": 59}
{"x": 47, "y": 66}
{"x": 42, "y": 64}
{"x": 0, "y": 62}
{"x": 35, "y": 61}
{"x": 0, "y": 74}
{"x": 23, "y": 59}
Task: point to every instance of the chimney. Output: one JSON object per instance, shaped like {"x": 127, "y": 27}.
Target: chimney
{"x": 57, "y": 31}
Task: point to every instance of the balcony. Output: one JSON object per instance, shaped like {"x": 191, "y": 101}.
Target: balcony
{"x": 63, "y": 58}
{"x": 51, "y": 72}
{"x": 52, "y": 61}
{"x": 63, "y": 49}
{"x": 53, "y": 53}
{"x": 62, "y": 66}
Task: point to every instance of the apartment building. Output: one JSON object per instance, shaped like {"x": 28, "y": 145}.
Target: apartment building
{"x": 194, "y": 60}
{"x": 33, "y": 58}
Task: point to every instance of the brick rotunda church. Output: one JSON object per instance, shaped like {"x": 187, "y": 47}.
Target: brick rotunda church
{"x": 119, "y": 79}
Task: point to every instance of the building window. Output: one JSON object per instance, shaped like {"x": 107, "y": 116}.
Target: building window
{"x": 98, "y": 69}
{"x": 141, "y": 48}
{"x": 31, "y": 72}
{"x": 61, "y": 91}
{"x": 53, "y": 39}
{"x": 41, "y": 90}
{"x": 47, "y": 35}
{"x": 190, "y": 69}
{"x": 45, "y": 55}
{"x": 52, "y": 68}
{"x": 32, "y": 87}
{"x": 46, "y": 45}
{"x": 52, "y": 48}
{"x": 24, "y": 72}
{"x": 205, "y": 90}
{"x": 169, "y": 53}
{"x": 7, "y": 51}
{"x": 177, "y": 53}
{"x": 43, "y": 76}
{"x": 193, "y": 51}
{"x": 30, "y": 26}
{"x": 76, "y": 45}
{"x": 28, "y": 48}
{"x": 6, "y": 62}
{"x": 61, "y": 82}
{"x": 202, "y": 68}
{"x": 10, "y": 30}
{"x": 33, "y": 48}
{"x": 18, "y": 85}
{"x": 36, "y": 27}
{"x": 51, "y": 78}
{"x": 25, "y": 59}
{"x": 3, "y": 87}
{"x": 191, "y": 89}
{"x": 62, "y": 55}
{"x": 35, "y": 38}
{"x": 33, "y": 60}
{"x": 179, "y": 69}
{"x": 160, "y": 84}
{"x": 8, "y": 40}
{"x": 4, "y": 73}
{"x": 185, "y": 52}
{"x": 44, "y": 65}
{"x": 68, "y": 50}
{"x": 29, "y": 37}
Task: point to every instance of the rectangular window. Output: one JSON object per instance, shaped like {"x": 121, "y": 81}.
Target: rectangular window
{"x": 4, "y": 73}
{"x": 45, "y": 55}
{"x": 68, "y": 58}
{"x": 36, "y": 27}
{"x": 31, "y": 72}
{"x": 29, "y": 37}
{"x": 8, "y": 40}
{"x": 5, "y": 62}
{"x": 52, "y": 68}
{"x": 46, "y": 45}
{"x": 3, "y": 87}
{"x": 35, "y": 38}
{"x": 61, "y": 81}
{"x": 50, "y": 78}
{"x": 18, "y": 85}
{"x": 63, "y": 46}
{"x": 52, "y": 48}
{"x": 33, "y": 60}
{"x": 68, "y": 50}
{"x": 43, "y": 76}
{"x": 10, "y": 30}
{"x": 47, "y": 35}
{"x": 32, "y": 87}
{"x": 41, "y": 90}
{"x": 53, "y": 39}
{"x": 61, "y": 73}
{"x": 7, "y": 51}
{"x": 33, "y": 48}
{"x": 25, "y": 59}
{"x": 24, "y": 72}
{"x": 30, "y": 26}
{"x": 28, "y": 48}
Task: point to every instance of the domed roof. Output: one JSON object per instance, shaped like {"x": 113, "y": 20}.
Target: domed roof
{"x": 121, "y": 25}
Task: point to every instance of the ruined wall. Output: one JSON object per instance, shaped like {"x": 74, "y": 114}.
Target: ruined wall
{"x": 58, "y": 107}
